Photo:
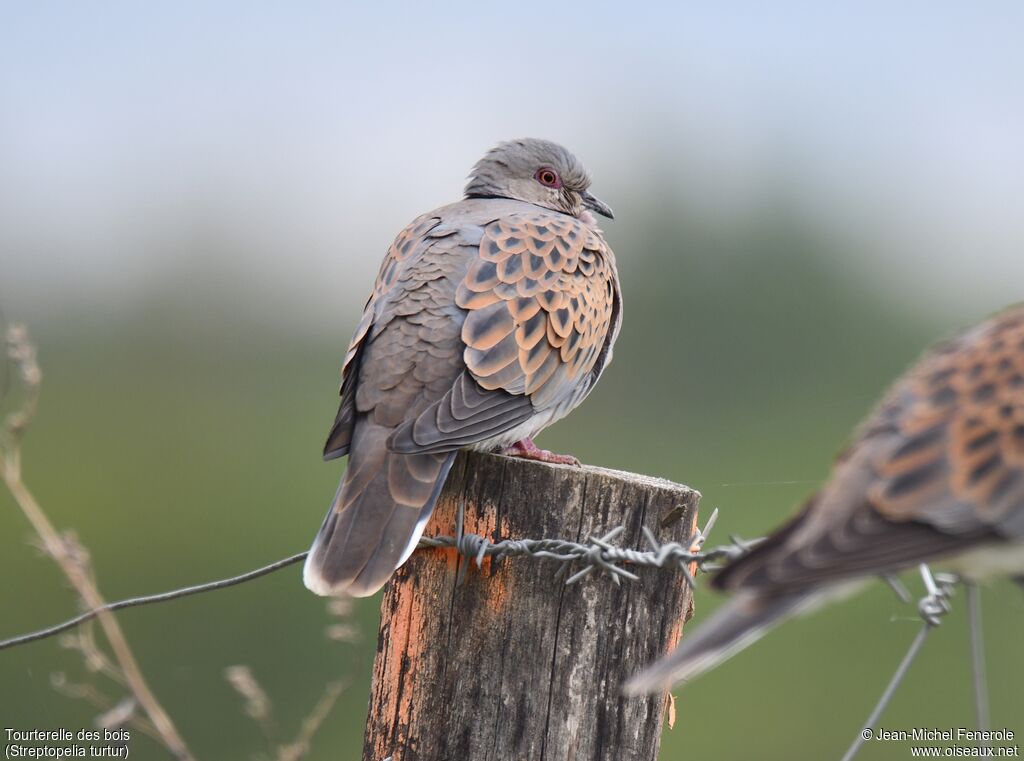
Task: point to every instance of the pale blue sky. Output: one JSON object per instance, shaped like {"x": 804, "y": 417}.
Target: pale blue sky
{"x": 309, "y": 133}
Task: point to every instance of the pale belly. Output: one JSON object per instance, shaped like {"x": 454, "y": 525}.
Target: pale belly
{"x": 990, "y": 561}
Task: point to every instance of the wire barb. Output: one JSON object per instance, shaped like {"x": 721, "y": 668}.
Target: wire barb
{"x": 599, "y": 553}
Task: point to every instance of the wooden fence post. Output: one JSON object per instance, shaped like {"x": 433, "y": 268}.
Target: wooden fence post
{"x": 513, "y": 665}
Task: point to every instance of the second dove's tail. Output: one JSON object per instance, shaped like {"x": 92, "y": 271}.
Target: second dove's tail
{"x": 378, "y": 515}
{"x": 739, "y": 623}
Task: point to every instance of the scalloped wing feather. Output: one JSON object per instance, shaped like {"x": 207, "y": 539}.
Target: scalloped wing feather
{"x": 542, "y": 310}
{"x": 541, "y": 300}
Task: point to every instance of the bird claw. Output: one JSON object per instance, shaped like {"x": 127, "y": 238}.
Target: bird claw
{"x": 527, "y": 450}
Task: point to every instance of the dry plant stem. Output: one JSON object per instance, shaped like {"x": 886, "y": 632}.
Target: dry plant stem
{"x": 300, "y": 747}
{"x": 91, "y": 598}
{"x": 91, "y": 695}
{"x": 84, "y": 641}
{"x": 23, "y": 354}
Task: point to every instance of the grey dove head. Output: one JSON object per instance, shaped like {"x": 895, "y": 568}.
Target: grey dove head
{"x": 538, "y": 172}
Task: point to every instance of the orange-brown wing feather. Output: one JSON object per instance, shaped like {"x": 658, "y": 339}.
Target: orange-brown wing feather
{"x": 541, "y": 299}
{"x": 961, "y": 425}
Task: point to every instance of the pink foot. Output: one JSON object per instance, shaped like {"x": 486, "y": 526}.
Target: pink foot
{"x": 530, "y": 451}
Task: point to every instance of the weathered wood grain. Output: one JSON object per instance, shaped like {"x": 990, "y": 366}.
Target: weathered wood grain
{"x": 513, "y": 665}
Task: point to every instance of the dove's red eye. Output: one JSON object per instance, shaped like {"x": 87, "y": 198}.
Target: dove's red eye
{"x": 548, "y": 176}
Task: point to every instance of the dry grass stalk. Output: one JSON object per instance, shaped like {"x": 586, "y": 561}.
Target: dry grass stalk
{"x": 66, "y": 552}
{"x": 297, "y": 749}
{"x": 257, "y": 704}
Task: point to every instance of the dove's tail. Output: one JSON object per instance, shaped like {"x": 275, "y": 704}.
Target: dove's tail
{"x": 378, "y": 515}
{"x": 739, "y": 623}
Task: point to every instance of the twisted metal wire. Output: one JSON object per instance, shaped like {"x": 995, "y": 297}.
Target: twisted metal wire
{"x": 598, "y": 553}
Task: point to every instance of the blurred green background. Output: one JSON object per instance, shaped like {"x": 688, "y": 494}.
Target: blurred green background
{"x": 193, "y": 204}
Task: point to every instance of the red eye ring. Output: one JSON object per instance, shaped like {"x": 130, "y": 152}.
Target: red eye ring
{"x": 548, "y": 177}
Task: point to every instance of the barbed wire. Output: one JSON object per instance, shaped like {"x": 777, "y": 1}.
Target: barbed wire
{"x": 598, "y": 553}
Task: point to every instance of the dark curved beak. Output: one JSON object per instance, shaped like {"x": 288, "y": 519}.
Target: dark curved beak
{"x": 596, "y": 205}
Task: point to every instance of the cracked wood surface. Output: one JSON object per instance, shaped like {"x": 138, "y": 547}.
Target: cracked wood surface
{"x": 513, "y": 665}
